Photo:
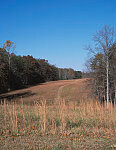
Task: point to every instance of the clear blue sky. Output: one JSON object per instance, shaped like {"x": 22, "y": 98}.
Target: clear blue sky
{"x": 56, "y": 30}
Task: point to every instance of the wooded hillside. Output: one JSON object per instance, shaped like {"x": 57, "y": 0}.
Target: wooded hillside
{"x": 19, "y": 71}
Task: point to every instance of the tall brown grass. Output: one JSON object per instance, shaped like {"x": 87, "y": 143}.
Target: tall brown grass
{"x": 56, "y": 118}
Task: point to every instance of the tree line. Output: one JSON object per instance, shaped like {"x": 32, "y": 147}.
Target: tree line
{"x": 102, "y": 64}
{"x": 18, "y": 72}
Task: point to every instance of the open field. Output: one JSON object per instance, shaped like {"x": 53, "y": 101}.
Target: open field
{"x": 50, "y": 91}
{"x": 56, "y": 115}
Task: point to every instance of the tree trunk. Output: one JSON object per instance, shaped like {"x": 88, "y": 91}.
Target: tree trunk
{"x": 107, "y": 71}
{"x": 115, "y": 93}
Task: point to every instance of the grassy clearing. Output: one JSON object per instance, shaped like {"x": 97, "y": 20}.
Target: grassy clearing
{"x": 82, "y": 124}
{"x": 60, "y": 126}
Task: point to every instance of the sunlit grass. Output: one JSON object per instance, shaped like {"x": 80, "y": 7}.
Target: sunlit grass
{"x": 72, "y": 120}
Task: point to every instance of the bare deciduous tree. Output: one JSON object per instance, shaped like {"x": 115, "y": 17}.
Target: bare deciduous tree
{"x": 104, "y": 39}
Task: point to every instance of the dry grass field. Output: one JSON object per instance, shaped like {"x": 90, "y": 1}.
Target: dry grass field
{"x": 58, "y": 115}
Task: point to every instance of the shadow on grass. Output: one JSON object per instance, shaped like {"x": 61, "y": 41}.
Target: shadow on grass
{"x": 13, "y": 96}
